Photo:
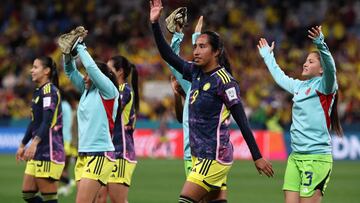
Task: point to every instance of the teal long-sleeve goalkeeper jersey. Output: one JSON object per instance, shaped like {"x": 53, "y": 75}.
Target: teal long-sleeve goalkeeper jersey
{"x": 97, "y": 107}
{"x": 312, "y": 102}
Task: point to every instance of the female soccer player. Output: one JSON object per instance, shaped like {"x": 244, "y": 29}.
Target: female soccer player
{"x": 214, "y": 95}
{"x": 314, "y": 112}
{"x": 120, "y": 178}
{"x": 96, "y": 115}
{"x": 185, "y": 85}
{"x": 45, "y": 155}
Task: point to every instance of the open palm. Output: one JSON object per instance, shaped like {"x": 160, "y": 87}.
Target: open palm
{"x": 155, "y": 10}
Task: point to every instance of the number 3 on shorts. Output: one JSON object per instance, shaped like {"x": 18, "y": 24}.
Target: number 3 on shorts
{"x": 309, "y": 176}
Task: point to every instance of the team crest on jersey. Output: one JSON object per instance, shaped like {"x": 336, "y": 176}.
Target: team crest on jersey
{"x": 206, "y": 86}
{"x": 308, "y": 91}
{"x": 231, "y": 93}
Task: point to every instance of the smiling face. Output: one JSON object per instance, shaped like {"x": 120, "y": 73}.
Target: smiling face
{"x": 312, "y": 66}
{"x": 39, "y": 73}
{"x": 203, "y": 53}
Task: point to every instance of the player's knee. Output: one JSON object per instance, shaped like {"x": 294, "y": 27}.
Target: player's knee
{"x": 50, "y": 197}
{"x": 218, "y": 201}
{"x": 31, "y": 197}
{"x": 184, "y": 199}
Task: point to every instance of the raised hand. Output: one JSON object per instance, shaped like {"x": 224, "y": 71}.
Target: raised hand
{"x": 264, "y": 48}
{"x": 265, "y": 167}
{"x": 263, "y": 43}
{"x": 199, "y": 24}
{"x": 315, "y": 32}
{"x": 155, "y": 10}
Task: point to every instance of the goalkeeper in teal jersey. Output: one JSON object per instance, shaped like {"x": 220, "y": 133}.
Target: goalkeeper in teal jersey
{"x": 186, "y": 86}
{"x": 95, "y": 115}
{"x": 314, "y": 113}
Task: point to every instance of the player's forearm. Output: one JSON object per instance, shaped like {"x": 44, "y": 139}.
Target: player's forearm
{"x": 238, "y": 113}
{"x": 165, "y": 50}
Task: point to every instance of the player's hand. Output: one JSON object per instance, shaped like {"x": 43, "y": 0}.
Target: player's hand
{"x": 30, "y": 151}
{"x": 263, "y": 44}
{"x": 20, "y": 153}
{"x": 314, "y": 32}
{"x": 199, "y": 24}
{"x": 175, "y": 86}
{"x": 155, "y": 10}
{"x": 264, "y": 167}
{"x": 264, "y": 48}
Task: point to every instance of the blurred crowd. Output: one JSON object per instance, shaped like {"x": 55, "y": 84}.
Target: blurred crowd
{"x": 30, "y": 28}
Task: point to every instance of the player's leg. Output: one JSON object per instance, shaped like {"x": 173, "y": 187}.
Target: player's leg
{"x": 47, "y": 175}
{"x": 315, "y": 198}
{"x": 102, "y": 194}
{"x": 29, "y": 187}
{"x": 118, "y": 193}
{"x": 205, "y": 176}
{"x": 92, "y": 172}
{"x": 87, "y": 190}
{"x": 120, "y": 180}
{"x": 315, "y": 176}
{"x": 291, "y": 196}
{"x": 192, "y": 192}
{"x": 48, "y": 189}
{"x": 292, "y": 181}
{"x": 216, "y": 196}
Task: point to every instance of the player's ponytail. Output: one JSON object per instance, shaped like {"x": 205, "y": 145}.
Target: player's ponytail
{"x": 334, "y": 118}
{"x": 218, "y": 45}
{"x": 48, "y": 62}
{"x": 120, "y": 62}
{"x": 135, "y": 86}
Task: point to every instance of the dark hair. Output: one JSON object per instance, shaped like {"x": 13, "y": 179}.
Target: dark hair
{"x": 120, "y": 62}
{"x": 107, "y": 72}
{"x": 47, "y": 62}
{"x": 334, "y": 117}
{"x": 218, "y": 45}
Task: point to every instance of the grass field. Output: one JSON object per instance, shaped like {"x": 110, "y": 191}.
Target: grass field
{"x": 160, "y": 181}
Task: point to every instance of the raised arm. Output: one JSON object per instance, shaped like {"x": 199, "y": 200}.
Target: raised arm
{"x": 328, "y": 81}
{"x": 279, "y": 76}
{"x": 165, "y": 50}
{"x": 73, "y": 74}
{"x": 106, "y": 87}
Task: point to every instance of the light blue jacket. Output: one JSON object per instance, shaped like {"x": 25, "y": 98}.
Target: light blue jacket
{"x": 98, "y": 105}
{"x": 186, "y": 86}
{"x": 313, "y": 100}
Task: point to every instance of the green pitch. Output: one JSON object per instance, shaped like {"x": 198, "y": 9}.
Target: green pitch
{"x": 160, "y": 181}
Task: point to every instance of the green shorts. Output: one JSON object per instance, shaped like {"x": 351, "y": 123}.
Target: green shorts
{"x": 305, "y": 173}
{"x": 188, "y": 166}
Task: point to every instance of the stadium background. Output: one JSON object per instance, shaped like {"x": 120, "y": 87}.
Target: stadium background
{"x": 30, "y": 28}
